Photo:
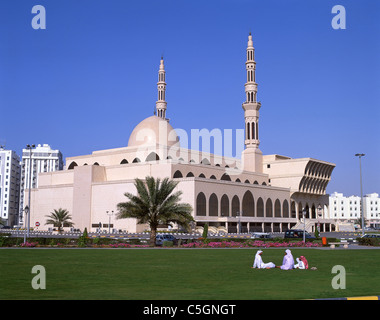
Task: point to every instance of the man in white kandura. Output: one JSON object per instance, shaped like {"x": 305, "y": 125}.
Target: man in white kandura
{"x": 288, "y": 261}
{"x": 300, "y": 264}
{"x": 259, "y": 264}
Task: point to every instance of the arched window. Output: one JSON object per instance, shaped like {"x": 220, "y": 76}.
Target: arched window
{"x": 213, "y": 177}
{"x": 269, "y": 208}
{"x": 235, "y": 206}
{"x": 205, "y": 161}
{"x": 248, "y": 132}
{"x": 225, "y": 206}
{"x": 136, "y": 160}
{"x": 260, "y": 207}
{"x": 202, "y": 175}
{"x": 190, "y": 174}
{"x": 96, "y": 164}
{"x": 248, "y": 205}
{"x": 201, "y": 204}
{"x": 72, "y": 165}
{"x": 124, "y": 161}
{"x": 177, "y": 174}
{"x": 246, "y": 181}
{"x": 237, "y": 180}
{"x": 255, "y": 182}
{"x": 225, "y": 177}
{"x": 253, "y": 130}
{"x": 285, "y": 209}
{"x": 152, "y": 157}
{"x": 213, "y": 205}
{"x": 277, "y": 208}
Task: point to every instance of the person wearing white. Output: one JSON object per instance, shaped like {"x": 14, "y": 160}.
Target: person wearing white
{"x": 259, "y": 264}
{"x": 299, "y": 265}
{"x": 288, "y": 261}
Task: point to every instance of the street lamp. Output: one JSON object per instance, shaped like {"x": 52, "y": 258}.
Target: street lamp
{"x": 239, "y": 227}
{"x": 304, "y": 224}
{"x": 360, "y": 155}
{"x": 26, "y": 210}
{"x": 29, "y": 147}
{"x": 109, "y": 221}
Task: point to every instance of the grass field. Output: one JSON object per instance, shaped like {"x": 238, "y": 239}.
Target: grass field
{"x": 183, "y": 274}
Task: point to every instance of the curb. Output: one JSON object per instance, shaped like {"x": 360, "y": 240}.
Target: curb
{"x": 354, "y": 298}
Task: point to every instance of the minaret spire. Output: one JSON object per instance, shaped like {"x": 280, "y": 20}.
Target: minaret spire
{"x": 161, "y": 86}
{"x": 252, "y": 155}
{"x": 251, "y": 106}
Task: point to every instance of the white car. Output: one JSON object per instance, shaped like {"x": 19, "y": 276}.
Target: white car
{"x": 260, "y": 235}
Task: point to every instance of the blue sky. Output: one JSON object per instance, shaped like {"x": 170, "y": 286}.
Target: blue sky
{"x": 86, "y": 81}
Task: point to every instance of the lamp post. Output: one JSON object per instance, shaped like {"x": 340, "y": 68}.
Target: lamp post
{"x": 26, "y": 210}
{"x": 304, "y": 224}
{"x": 109, "y": 221}
{"x": 360, "y": 155}
{"x": 29, "y": 147}
{"x": 239, "y": 227}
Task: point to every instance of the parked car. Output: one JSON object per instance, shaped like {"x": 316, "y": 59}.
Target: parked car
{"x": 260, "y": 235}
{"x": 297, "y": 234}
{"x": 371, "y": 236}
{"x": 160, "y": 238}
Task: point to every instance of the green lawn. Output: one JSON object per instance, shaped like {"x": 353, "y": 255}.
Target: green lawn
{"x": 171, "y": 274}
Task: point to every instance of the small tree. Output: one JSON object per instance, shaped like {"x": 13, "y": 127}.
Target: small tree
{"x": 205, "y": 231}
{"x": 156, "y": 203}
{"x": 59, "y": 218}
{"x": 82, "y": 240}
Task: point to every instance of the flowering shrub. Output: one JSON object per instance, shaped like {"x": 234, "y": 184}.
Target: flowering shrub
{"x": 248, "y": 244}
{"x": 127, "y": 245}
{"x": 28, "y": 244}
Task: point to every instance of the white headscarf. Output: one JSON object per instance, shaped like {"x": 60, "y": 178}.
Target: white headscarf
{"x": 258, "y": 260}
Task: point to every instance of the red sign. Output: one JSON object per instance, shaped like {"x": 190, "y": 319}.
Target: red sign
{"x": 37, "y": 224}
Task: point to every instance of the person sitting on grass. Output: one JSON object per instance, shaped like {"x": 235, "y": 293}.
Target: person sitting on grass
{"x": 299, "y": 264}
{"x": 288, "y": 261}
{"x": 259, "y": 264}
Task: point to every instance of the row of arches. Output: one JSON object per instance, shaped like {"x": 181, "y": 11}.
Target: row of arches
{"x": 251, "y": 131}
{"x": 153, "y": 156}
{"x": 224, "y": 177}
{"x": 228, "y": 206}
{"x": 318, "y": 170}
{"x": 313, "y": 185}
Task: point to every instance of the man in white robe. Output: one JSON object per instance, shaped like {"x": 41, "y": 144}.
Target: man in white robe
{"x": 288, "y": 261}
{"x": 259, "y": 264}
{"x": 300, "y": 264}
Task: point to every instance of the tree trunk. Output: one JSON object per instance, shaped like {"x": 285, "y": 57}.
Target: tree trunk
{"x": 152, "y": 240}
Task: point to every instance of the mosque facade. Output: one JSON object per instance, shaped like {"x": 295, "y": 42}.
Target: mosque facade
{"x": 256, "y": 193}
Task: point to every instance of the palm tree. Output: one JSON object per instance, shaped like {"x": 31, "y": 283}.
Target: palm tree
{"x": 59, "y": 218}
{"x": 154, "y": 204}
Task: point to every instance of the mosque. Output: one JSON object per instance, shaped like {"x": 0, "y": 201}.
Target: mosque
{"x": 269, "y": 193}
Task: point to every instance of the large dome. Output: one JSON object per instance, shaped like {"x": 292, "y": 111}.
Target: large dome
{"x": 152, "y": 131}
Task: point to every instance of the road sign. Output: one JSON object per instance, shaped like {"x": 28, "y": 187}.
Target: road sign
{"x": 37, "y": 224}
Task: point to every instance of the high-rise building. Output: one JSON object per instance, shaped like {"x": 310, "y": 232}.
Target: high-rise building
{"x": 42, "y": 159}
{"x": 9, "y": 186}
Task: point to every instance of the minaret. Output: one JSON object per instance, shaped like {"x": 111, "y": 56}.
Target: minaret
{"x": 252, "y": 155}
{"x": 161, "y": 86}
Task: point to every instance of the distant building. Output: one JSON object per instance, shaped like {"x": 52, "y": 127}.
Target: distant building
{"x": 9, "y": 186}
{"x": 43, "y": 159}
{"x": 349, "y": 208}
{"x": 372, "y": 209}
